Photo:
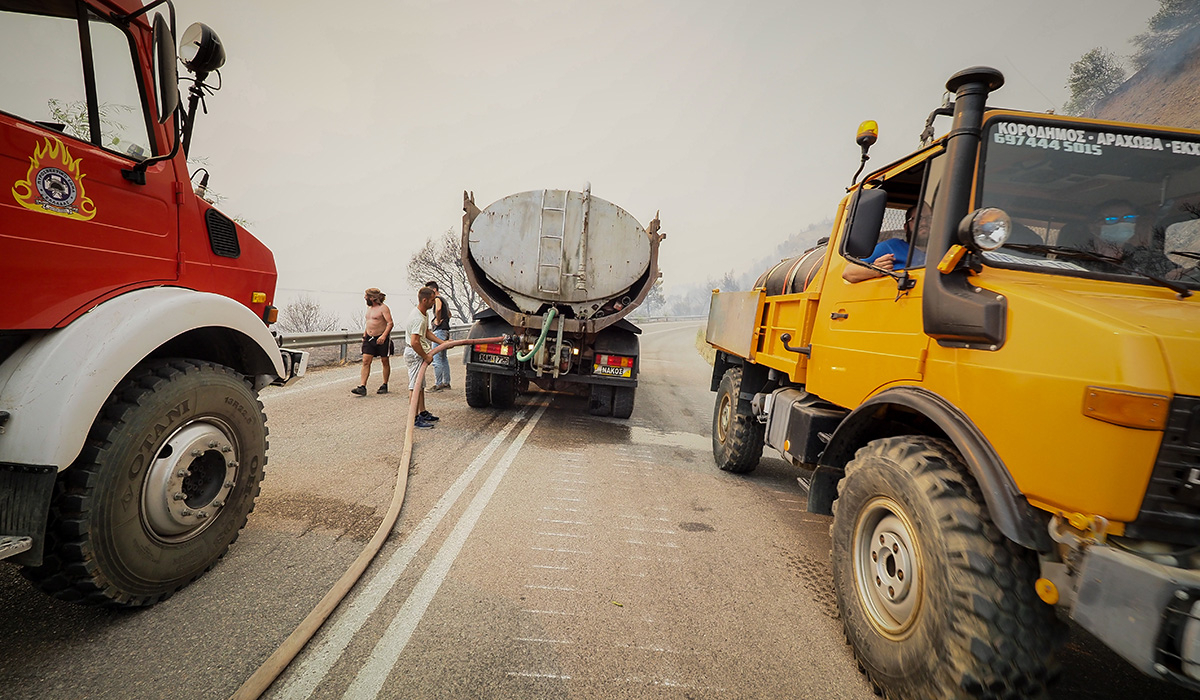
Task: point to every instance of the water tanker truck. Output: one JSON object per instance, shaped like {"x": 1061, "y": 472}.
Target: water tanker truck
{"x": 1003, "y": 416}
{"x": 559, "y": 271}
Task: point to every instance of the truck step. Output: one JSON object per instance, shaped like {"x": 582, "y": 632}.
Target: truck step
{"x": 12, "y": 545}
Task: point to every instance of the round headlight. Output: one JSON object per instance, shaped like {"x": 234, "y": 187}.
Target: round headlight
{"x": 986, "y": 229}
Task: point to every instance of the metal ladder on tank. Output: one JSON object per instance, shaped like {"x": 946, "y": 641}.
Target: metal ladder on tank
{"x": 547, "y": 259}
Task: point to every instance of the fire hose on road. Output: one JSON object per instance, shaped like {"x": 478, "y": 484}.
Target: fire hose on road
{"x": 278, "y": 661}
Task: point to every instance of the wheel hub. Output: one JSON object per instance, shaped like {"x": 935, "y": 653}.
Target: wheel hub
{"x": 189, "y": 482}
{"x": 887, "y": 567}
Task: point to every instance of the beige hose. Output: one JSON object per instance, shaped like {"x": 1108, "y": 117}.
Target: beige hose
{"x": 275, "y": 664}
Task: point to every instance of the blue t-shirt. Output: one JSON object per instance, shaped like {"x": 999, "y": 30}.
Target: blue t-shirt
{"x": 898, "y": 247}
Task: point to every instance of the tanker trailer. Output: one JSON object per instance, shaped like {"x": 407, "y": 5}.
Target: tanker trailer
{"x": 559, "y": 271}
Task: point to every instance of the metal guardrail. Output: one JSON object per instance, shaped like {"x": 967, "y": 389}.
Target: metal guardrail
{"x": 297, "y": 341}
{"x": 343, "y": 338}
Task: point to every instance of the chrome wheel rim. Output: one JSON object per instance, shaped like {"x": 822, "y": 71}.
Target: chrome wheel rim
{"x": 887, "y": 567}
{"x": 724, "y": 415}
{"x": 190, "y": 480}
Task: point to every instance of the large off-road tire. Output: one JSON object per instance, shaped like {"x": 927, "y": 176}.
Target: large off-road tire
{"x": 166, "y": 478}
{"x": 737, "y": 437}
{"x": 504, "y": 391}
{"x": 623, "y": 401}
{"x": 600, "y": 400}
{"x": 478, "y": 392}
{"x": 935, "y": 601}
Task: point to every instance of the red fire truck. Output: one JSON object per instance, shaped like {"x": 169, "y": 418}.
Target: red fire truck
{"x": 133, "y": 314}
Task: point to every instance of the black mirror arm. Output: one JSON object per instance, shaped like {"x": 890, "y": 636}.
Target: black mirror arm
{"x": 903, "y": 281}
{"x": 137, "y": 174}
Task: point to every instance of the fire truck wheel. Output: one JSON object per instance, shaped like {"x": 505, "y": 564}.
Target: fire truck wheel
{"x": 163, "y": 486}
{"x": 623, "y": 401}
{"x": 737, "y": 437}
{"x": 477, "y": 389}
{"x": 600, "y": 400}
{"x": 934, "y": 600}
{"x": 504, "y": 391}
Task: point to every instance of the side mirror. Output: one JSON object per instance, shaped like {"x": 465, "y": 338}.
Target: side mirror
{"x": 166, "y": 74}
{"x": 866, "y": 212}
{"x": 201, "y": 49}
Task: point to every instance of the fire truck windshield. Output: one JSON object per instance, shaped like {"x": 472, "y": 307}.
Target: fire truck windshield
{"x": 1094, "y": 201}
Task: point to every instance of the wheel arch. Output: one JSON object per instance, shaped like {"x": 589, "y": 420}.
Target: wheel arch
{"x": 909, "y": 410}
{"x": 54, "y": 385}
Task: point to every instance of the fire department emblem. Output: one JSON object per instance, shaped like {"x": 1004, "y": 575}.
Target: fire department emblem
{"x": 54, "y": 183}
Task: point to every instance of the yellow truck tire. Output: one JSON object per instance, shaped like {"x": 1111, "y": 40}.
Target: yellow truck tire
{"x": 934, "y": 600}
{"x": 737, "y": 437}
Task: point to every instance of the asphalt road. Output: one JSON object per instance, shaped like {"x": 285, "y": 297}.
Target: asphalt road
{"x": 541, "y": 553}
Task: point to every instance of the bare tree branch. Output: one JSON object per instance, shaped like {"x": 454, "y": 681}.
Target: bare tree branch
{"x": 305, "y": 315}
{"x": 439, "y": 260}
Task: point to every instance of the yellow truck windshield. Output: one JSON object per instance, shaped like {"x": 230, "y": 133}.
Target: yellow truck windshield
{"x": 1090, "y": 200}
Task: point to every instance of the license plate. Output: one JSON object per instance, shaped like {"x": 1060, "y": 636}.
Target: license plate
{"x": 491, "y": 359}
{"x": 607, "y": 371}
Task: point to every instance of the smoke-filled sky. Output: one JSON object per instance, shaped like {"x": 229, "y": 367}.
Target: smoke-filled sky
{"x": 346, "y": 133}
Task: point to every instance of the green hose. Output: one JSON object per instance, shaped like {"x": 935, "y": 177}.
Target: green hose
{"x": 541, "y": 338}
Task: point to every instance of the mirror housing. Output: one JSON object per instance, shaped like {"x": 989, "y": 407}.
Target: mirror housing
{"x": 201, "y": 49}
{"x": 166, "y": 74}
{"x": 866, "y": 221}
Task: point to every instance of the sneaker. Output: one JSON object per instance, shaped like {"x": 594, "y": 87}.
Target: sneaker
{"x": 435, "y": 387}
{"x": 444, "y": 387}
{"x": 382, "y": 389}
{"x": 426, "y": 415}
{"x": 422, "y": 423}
{"x": 359, "y": 390}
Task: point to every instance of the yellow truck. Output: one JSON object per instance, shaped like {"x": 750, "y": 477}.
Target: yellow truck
{"x": 990, "y": 377}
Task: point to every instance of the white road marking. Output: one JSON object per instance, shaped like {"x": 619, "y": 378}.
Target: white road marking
{"x": 558, "y": 551}
{"x": 566, "y": 589}
{"x": 526, "y": 674}
{"x": 374, "y": 673}
{"x": 564, "y": 522}
{"x": 547, "y": 566}
{"x": 550, "y": 612}
{"x": 563, "y": 534}
{"x": 315, "y": 665}
{"x": 541, "y": 641}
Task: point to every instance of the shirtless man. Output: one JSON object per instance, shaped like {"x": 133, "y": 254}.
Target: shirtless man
{"x": 377, "y": 340}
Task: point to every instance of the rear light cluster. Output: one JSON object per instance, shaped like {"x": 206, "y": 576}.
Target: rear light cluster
{"x": 494, "y": 349}
{"x": 614, "y": 361}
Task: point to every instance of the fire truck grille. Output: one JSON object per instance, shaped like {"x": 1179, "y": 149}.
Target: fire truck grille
{"x": 1171, "y": 508}
{"x": 222, "y": 234}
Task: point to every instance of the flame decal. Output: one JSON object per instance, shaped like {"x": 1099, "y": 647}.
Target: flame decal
{"x": 54, "y": 184}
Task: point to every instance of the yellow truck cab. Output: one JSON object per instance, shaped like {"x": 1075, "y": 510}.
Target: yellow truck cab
{"x": 1003, "y": 411}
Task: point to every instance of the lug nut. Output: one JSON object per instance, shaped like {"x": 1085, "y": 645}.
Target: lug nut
{"x": 183, "y": 473}
{"x": 228, "y": 484}
{"x": 218, "y": 504}
{"x": 900, "y": 574}
{"x": 874, "y": 556}
{"x": 1182, "y": 595}
{"x": 179, "y": 496}
{"x": 201, "y": 515}
{"x": 212, "y": 444}
{"x": 896, "y": 548}
{"x": 185, "y": 512}
{"x": 226, "y": 448}
{"x": 233, "y": 464}
{"x": 197, "y": 453}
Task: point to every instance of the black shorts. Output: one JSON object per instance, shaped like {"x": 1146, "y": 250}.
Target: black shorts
{"x": 371, "y": 346}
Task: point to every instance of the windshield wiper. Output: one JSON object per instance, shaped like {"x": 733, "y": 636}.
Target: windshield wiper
{"x": 1186, "y": 254}
{"x": 1067, "y": 252}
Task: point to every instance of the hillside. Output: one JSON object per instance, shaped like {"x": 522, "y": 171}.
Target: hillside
{"x": 1165, "y": 92}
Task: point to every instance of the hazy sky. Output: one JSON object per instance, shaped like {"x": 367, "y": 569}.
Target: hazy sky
{"x": 346, "y": 132}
